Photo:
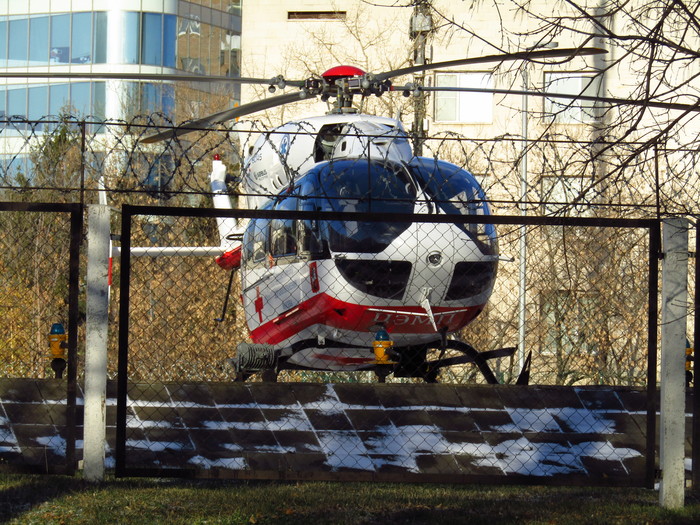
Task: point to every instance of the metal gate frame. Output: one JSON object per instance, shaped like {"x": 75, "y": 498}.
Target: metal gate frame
{"x": 76, "y": 232}
{"x": 653, "y": 227}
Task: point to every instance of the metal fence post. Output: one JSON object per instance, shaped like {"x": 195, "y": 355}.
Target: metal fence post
{"x": 695, "y": 454}
{"x": 123, "y": 366}
{"x": 674, "y": 316}
{"x": 76, "y": 229}
{"x": 96, "y": 342}
{"x": 652, "y": 351}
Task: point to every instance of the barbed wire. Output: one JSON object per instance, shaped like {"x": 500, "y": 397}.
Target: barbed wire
{"x": 67, "y": 155}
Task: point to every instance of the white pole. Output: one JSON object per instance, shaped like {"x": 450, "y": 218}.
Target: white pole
{"x": 674, "y": 316}
{"x": 522, "y": 267}
{"x": 96, "y": 342}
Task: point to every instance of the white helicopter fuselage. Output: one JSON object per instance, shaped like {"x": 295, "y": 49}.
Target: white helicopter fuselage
{"x": 281, "y": 155}
{"x": 416, "y": 280}
{"x": 304, "y": 299}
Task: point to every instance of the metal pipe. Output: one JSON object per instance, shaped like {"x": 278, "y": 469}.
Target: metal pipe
{"x": 522, "y": 267}
{"x": 169, "y": 251}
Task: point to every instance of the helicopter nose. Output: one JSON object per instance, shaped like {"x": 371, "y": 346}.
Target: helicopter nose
{"x": 440, "y": 250}
{"x": 433, "y": 261}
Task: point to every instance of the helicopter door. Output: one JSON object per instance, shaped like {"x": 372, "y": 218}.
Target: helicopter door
{"x": 286, "y": 269}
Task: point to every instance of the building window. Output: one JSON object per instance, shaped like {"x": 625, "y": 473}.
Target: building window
{"x": 464, "y": 107}
{"x": 37, "y": 103}
{"x": 169, "y": 40}
{"x": 3, "y": 43}
{"x": 189, "y": 26}
{"x": 38, "y": 40}
{"x": 316, "y": 15}
{"x": 59, "y": 98}
{"x": 156, "y": 98}
{"x": 99, "y": 100}
{"x": 60, "y": 39}
{"x": 81, "y": 41}
{"x": 193, "y": 65}
{"x": 131, "y": 37}
{"x": 99, "y": 40}
{"x": 17, "y": 102}
{"x": 151, "y": 38}
{"x": 566, "y": 110}
{"x": 17, "y": 51}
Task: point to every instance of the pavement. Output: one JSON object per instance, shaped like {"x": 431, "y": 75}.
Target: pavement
{"x": 393, "y": 432}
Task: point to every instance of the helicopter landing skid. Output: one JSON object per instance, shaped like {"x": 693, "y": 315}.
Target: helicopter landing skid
{"x": 408, "y": 361}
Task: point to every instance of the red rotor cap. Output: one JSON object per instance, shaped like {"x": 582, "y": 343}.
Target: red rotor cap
{"x": 342, "y": 72}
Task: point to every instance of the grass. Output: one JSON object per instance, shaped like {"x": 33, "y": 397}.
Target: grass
{"x": 42, "y": 500}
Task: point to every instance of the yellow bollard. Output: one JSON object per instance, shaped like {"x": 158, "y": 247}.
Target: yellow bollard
{"x": 58, "y": 342}
{"x": 382, "y": 344}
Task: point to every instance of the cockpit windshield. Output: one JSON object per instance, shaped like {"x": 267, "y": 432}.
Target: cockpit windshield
{"x": 374, "y": 186}
{"x": 368, "y": 186}
{"x": 452, "y": 189}
{"x": 364, "y": 186}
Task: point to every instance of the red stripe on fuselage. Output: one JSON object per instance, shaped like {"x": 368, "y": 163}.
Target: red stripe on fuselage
{"x": 326, "y": 310}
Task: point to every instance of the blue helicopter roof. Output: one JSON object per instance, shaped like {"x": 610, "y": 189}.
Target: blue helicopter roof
{"x": 375, "y": 186}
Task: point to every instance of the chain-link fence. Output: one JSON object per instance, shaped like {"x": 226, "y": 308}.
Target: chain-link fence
{"x": 586, "y": 315}
{"x": 572, "y": 294}
{"x": 39, "y": 293}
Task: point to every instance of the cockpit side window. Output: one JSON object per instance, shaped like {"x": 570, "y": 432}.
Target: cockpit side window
{"x": 255, "y": 243}
{"x": 309, "y": 230}
{"x": 325, "y": 141}
{"x": 283, "y": 232}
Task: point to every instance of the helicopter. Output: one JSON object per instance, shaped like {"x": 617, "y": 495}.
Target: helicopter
{"x": 326, "y": 294}
{"x": 356, "y": 292}
{"x": 403, "y": 293}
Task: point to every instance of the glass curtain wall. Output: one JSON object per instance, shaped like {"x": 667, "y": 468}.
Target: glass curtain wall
{"x": 184, "y": 42}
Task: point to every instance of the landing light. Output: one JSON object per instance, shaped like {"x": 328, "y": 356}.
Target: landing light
{"x": 435, "y": 258}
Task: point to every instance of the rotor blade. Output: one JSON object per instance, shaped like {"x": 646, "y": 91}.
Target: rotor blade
{"x": 504, "y": 57}
{"x": 223, "y": 116}
{"x": 606, "y": 100}
{"x": 181, "y": 77}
